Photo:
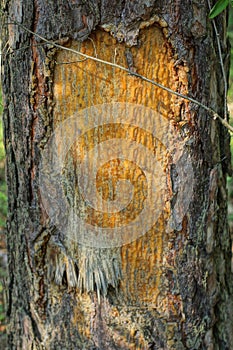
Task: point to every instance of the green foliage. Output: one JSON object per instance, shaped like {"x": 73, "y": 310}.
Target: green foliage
{"x": 219, "y": 7}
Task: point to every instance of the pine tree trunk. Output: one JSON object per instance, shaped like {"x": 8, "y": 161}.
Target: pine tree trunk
{"x": 90, "y": 276}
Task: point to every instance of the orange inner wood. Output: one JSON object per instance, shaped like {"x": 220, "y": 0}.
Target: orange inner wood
{"x": 79, "y": 84}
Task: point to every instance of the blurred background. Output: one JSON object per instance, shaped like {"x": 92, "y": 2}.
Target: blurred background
{"x": 3, "y": 196}
{"x": 3, "y": 256}
{"x": 230, "y": 108}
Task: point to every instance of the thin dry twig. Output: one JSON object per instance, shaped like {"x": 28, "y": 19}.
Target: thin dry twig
{"x": 11, "y": 51}
{"x": 213, "y": 113}
{"x": 221, "y": 64}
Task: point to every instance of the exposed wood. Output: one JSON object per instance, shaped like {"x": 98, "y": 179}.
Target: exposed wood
{"x": 172, "y": 287}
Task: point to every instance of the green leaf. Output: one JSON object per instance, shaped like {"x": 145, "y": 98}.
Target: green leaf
{"x": 218, "y": 8}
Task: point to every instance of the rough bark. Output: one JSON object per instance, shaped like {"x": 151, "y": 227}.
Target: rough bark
{"x": 172, "y": 287}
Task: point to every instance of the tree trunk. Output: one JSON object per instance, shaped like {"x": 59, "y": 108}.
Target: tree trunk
{"x": 117, "y": 228}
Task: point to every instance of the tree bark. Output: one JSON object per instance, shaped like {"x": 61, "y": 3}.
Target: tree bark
{"x": 168, "y": 286}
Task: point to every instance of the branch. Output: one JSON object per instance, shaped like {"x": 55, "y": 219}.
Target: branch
{"x": 214, "y": 114}
{"x": 221, "y": 64}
